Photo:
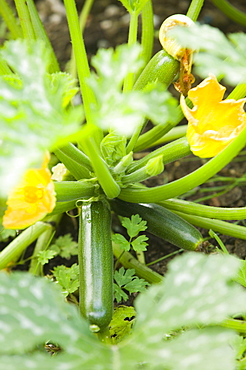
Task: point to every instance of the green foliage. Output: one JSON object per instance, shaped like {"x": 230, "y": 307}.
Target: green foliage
{"x": 124, "y": 112}
{"x": 5, "y": 234}
{"x": 125, "y": 279}
{"x": 33, "y": 115}
{"x": 65, "y": 246}
{"x": 113, "y": 148}
{"x": 133, "y": 226}
{"x": 241, "y": 276}
{"x": 134, "y": 5}
{"x": 67, "y": 278}
{"x": 121, "y": 323}
{"x": 240, "y": 346}
{"x": 45, "y": 256}
{"x": 217, "y": 54}
{"x": 197, "y": 291}
{"x": 120, "y": 239}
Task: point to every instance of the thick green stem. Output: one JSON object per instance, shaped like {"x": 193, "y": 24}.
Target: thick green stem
{"x": 238, "y": 92}
{"x": 230, "y": 11}
{"x": 174, "y": 134}
{"x": 150, "y": 137}
{"x": 25, "y": 20}
{"x": 195, "y": 9}
{"x": 76, "y": 154}
{"x": 101, "y": 170}
{"x": 9, "y": 18}
{"x": 12, "y": 252}
{"x": 67, "y": 191}
{"x": 132, "y": 38}
{"x": 80, "y": 56}
{"x": 134, "y": 138}
{"x": 238, "y": 325}
{"x": 147, "y": 31}
{"x": 42, "y": 244}
{"x": 4, "y": 68}
{"x": 77, "y": 169}
{"x": 40, "y": 33}
{"x": 186, "y": 183}
{"x": 171, "y": 152}
{"x": 82, "y": 21}
{"x": 130, "y": 262}
{"x": 205, "y": 211}
{"x": 222, "y": 227}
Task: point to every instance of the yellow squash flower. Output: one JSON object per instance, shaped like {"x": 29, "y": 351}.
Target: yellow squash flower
{"x": 31, "y": 199}
{"x": 212, "y": 122}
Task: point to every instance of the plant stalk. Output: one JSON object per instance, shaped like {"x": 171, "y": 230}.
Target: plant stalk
{"x": 25, "y": 20}
{"x": 130, "y": 262}
{"x": 231, "y": 11}
{"x": 9, "y": 18}
{"x": 205, "y": 211}
{"x": 195, "y": 9}
{"x": 223, "y": 227}
{"x": 186, "y": 183}
{"x": 12, "y": 252}
{"x": 80, "y": 56}
{"x": 40, "y": 33}
{"x": 132, "y": 39}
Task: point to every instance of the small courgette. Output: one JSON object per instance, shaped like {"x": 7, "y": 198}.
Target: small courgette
{"x": 95, "y": 263}
{"x": 162, "y": 223}
{"x": 161, "y": 68}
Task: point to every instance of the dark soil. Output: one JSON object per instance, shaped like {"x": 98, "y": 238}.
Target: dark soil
{"x": 107, "y": 26}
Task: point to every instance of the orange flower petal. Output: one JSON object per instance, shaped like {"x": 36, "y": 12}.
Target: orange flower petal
{"x": 31, "y": 200}
{"x": 212, "y": 123}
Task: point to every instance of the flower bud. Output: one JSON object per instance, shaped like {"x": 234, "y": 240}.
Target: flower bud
{"x": 168, "y": 43}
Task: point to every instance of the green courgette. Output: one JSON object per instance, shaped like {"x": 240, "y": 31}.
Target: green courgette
{"x": 161, "y": 68}
{"x": 95, "y": 263}
{"x": 162, "y": 223}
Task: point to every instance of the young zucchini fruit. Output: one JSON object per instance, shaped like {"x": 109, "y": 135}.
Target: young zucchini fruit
{"x": 162, "y": 223}
{"x": 95, "y": 263}
{"x": 161, "y": 68}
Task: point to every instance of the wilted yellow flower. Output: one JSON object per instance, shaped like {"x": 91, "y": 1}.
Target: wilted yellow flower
{"x": 31, "y": 199}
{"x": 212, "y": 123}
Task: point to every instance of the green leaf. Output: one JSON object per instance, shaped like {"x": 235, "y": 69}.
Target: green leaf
{"x": 5, "y": 234}
{"x": 134, "y": 5}
{"x": 195, "y": 291}
{"x": 139, "y": 244}
{"x": 33, "y": 113}
{"x": 134, "y": 225}
{"x": 124, "y": 112}
{"x": 127, "y": 280}
{"x": 45, "y": 256}
{"x": 121, "y": 240}
{"x": 121, "y": 323}
{"x": 113, "y": 148}
{"x": 32, "y": 312}
{"x": 217, "y": 54}
{"x": 123, "y": 276}
{"x": 239, "y": 344}
{"x": 35, "y": 309}
{"x": 198, "y": 349}
{"x": 119, "y": 294}
{"x": 67, "y": 278}
{"x": 137, "y": 285}
{"x": 241, "y": 276}
{"x": 66, "y": 245}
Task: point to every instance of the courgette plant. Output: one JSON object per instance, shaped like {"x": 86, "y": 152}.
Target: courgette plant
{"x": 127, "y": 89}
